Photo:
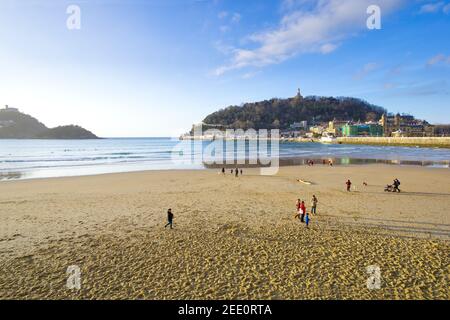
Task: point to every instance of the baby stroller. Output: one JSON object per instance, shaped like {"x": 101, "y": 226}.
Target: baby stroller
{"x": 391, "y": 188}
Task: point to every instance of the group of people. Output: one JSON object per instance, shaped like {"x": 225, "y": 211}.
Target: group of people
{"x": 302, "y": 213}
{"x": 395, "y": 186}
{"x": 235, "y": 171}
{"x": 324, "y": 162}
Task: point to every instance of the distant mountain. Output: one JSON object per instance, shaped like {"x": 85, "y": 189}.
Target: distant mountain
{"x": 17, "y": 125}
{"x": 281, "y": 113}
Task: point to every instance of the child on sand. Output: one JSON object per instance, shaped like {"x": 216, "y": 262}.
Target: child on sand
{"x": 349, "y": 184}
{"x": 307, "y": 220}
{"x": 169, "y": 219}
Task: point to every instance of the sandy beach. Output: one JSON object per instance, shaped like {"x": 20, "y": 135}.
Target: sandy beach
{"x": 233, "y": 238}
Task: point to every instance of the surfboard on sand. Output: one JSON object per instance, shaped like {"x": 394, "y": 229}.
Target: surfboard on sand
{"x": 304, "y": 181}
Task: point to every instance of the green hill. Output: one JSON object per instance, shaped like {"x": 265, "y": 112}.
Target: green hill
{"x": 281, "y": 113}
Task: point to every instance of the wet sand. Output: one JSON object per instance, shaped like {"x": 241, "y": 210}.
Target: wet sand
{"x": 234, "y": 238}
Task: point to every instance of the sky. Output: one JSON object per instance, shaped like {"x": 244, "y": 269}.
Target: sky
{"x": 137, "y": 68}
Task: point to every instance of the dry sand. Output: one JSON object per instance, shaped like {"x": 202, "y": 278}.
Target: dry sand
{"x": 234, "y": 238}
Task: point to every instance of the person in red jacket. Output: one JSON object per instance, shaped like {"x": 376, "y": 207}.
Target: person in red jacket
{"x": 303, "y": 211}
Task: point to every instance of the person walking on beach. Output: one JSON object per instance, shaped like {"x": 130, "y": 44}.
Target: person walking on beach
{"x": 231, "y": 171}
{"x": 314, "y": 202}
{"x": 349, "y": 184}
{"x": 223, "y": 171}
{"x": 396, "y": 185}
{"x": 169, "y": 219}
{"x": 237, "y": 173}
{"x": 303, "y": 210}
{"x": 297, "y": 206}
{"x": 241, "y": 172}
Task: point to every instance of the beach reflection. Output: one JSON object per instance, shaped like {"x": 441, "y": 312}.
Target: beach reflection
{"x": 10, "y": 176}
{"x": 296, "y": 161}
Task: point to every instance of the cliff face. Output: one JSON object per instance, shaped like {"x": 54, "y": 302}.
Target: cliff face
{"x": 17, "y": 125}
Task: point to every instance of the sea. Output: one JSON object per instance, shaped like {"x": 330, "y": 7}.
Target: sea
{"x": 30, "y": 159}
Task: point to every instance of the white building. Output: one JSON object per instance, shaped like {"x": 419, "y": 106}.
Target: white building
{"x": 299, "y": 125}
{"x": 8, "y": 109}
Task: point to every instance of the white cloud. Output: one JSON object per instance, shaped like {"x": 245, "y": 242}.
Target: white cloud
{"x": 446, "y": 9}
{"x": 222, "y": 14}
{"x": 236, "y": 17}
{"x": 319, "y": 29}
{"x": 328, "y": 48}
{"x": 224, "y": 29}
{"x": 431, "y": 7}
{"x": 223, "y": 48}
{"x": 250, "y": 75}
{"x": 438, "y": 59}
{"x": 368, "y": 68}
{"x": 287, "y": 5}
{"x": 389, "y": 86}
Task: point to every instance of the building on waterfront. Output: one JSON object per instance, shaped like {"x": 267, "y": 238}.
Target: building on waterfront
{"x": 302, "y": 125}
{"x": 442, "y": 130}
{"x": 292, "y": 133}
{"x": 370, "y": 129}
{"x": 405, "y": 125}
{"x": 317, "y": 130}
{"x": 335, "y": 127}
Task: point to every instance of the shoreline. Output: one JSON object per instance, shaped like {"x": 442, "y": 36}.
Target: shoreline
{"x": 285, "y": 162}
{"x": 418, "y": 142}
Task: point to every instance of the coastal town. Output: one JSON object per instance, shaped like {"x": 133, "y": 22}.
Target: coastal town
{"x": 388, "y": 128}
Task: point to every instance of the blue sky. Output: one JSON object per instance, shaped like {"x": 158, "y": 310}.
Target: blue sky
{"x": 152, "y": 68}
